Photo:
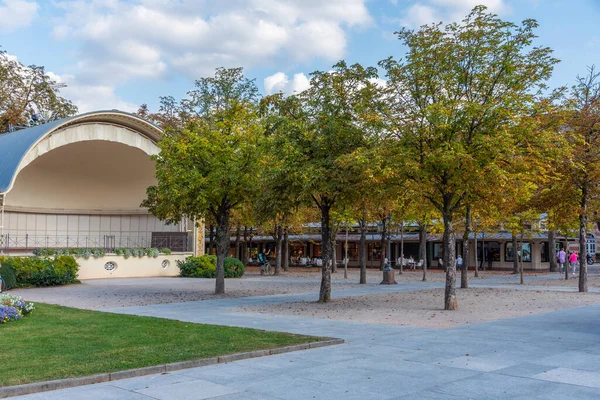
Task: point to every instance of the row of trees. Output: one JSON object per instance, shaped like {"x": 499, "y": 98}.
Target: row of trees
{"x": 462, "y": 127}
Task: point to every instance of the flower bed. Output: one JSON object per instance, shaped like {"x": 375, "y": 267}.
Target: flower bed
{"x": 13, "y": 308}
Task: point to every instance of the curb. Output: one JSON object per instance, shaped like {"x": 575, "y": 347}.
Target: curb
{"x": 37, "y": 387}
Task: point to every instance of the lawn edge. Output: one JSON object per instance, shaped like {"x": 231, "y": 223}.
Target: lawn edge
{"x": 45, "y": 386}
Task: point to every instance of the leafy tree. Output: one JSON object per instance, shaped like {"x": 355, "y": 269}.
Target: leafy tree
{"x": 582, "y": 130}
{"x": 211, "y": 166}
{"x": 324, "y": 124}
{"x": 455, "y": 101}
{"x": 28, "y": 96}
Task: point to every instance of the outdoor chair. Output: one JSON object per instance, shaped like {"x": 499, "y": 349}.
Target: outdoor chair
{"x": 420, "y": 264}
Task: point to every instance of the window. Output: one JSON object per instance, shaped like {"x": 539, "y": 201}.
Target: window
{"x": 317, "y": 250}
{"x": 545, "y": 252}
{"x": 492, "y": 251}
{"x": 374, "y": 251}
{"x": 525, "y": 253}
{"x": 353, "y": 251}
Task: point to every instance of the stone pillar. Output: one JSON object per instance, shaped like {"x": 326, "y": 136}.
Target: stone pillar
{"x": 200, "y": 245}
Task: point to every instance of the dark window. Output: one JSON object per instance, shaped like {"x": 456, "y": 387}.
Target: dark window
{"x": 492, "y": 251}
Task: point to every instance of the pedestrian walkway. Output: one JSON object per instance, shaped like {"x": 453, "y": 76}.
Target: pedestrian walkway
{"x": 553, "y": 355}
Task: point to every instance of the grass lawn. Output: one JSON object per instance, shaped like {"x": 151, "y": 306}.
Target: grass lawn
{"x": 57, "y": 342}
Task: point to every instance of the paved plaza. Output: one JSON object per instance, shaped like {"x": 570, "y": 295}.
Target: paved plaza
{"x": 551, "y": 355}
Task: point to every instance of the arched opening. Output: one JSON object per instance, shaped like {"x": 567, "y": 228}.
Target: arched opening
{"x": 91, "y": 176}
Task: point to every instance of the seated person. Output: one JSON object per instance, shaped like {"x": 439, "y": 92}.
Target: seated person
{"x": 411, "y": 262}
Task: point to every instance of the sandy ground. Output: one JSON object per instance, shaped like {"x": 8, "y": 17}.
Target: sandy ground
{"x": 593, "y": 281}
{"x": 424, "y": 308}
{"x": 112, "y": 293}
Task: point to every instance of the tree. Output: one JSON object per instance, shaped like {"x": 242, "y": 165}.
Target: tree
{"x": 212, "y": 165}
{"x": 455, "y": 101}
{"x": 583, "y": 133}
{"x": 324, "y": 124}
{"x": 28, "y": 96}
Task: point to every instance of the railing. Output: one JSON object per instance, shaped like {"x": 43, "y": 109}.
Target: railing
{"x": 28, "y": 243}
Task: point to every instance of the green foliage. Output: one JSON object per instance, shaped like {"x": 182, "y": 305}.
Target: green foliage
{"x": 29, "y": 90}
{"x": 198, "y": 267}
{"x": 234, "y": 268}
{"x": 205, "y": 267}
{"x": 166, "y": 251}
{"x": 36, "y": 271}
{"x": 7, "y": 273}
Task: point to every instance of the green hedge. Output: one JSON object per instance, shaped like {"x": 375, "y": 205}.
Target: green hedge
{"x": 206, "y": 267}
{"x": 36, "y": 271}
{"x": 8, "y": 275}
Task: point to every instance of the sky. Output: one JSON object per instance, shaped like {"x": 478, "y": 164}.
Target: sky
{"x": 119, "y": 54}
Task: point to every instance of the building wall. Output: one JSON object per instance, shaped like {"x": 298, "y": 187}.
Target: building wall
{"x": 163, "y": 265}
{"x": 53, "y": 230}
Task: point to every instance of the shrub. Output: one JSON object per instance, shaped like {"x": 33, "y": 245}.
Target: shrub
{"x": 206, "y": 267}
{"x": 166, "y": 251}
{"x": 97, "y": 253}
{"x": 234, "y": 268}
{"x": 37, "y": 271}
{"x": 7, "y": 273}
{"x": 126, "y": 253}
{"x": 152, "y": 252}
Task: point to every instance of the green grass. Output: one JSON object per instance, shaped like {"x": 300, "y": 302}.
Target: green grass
{"x": 59, "y": 342}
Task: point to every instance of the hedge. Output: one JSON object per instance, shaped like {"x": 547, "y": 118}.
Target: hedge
{"x": 8, "y": 276}
{"x": 206, "y": 267}
{"x": 36, "y": 271}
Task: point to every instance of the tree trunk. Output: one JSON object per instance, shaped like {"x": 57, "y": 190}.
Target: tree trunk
{"x": 334, "y": 252}
{"x": 346, "y": 256}
{"x": 521, "y": 269}
{"x": 383, "y": 243}
{"x": 476, "y": 256}
{"x": 363, "y": 251}
{"x": 249, "y": 246}
{"x": 325, "y": 292}
{"x": 279, "y": 248}
{"x": 238, "y": 234}
{"x": 450, "y": 301}
{"x": 223, "y": 245}
{"x": 515, "y": 255}
{"x": 464, "y": 276}
{"x": 567, "y": 262}
{"x": 552, "y": 251}
{"x": 245, "y": 247}
{"x": 286, "y": 250}
{"x": 401, "y": 247}
{"x": 211, "y": 238}
{"x": 423, "y": 248}
{"x": 583, "y": 286}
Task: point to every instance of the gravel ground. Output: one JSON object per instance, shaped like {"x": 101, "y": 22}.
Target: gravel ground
{"x": 424, "y": 308}
{"x": 110, "y": 293}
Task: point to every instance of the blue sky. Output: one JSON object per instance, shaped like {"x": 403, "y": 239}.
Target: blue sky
{"x": 122, "y": 53}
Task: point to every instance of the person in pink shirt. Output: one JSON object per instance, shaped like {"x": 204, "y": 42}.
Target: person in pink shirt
{"x": 573, "y": 261}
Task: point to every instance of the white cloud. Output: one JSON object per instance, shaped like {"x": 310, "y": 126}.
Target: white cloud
{"x": 90, "y": 97}
{"x": 128, "y": 39}
{"x": 432, "y": 11}
{"x": 16, "y": 14}
{"x": 279, "y": 82}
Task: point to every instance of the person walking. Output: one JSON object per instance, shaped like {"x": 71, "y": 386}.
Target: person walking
{"x": 573, "y": 261}
{"x": 561, "y": 256}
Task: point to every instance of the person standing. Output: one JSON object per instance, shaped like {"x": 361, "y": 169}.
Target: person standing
{"x": 573, "y": 261}
{"x": 561, "y": 256}
{"x": 459, "y": 262}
